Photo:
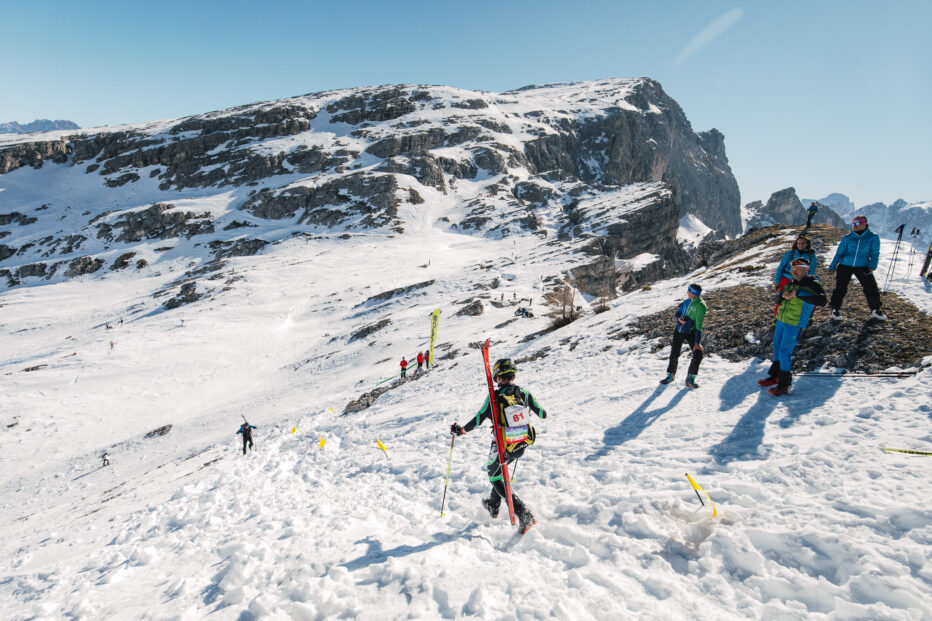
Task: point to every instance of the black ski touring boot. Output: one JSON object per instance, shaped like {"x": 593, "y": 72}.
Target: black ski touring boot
{"x": 525, "y": 517}
{"x": 492, "y": 504}
{"x": 526, "y": 522}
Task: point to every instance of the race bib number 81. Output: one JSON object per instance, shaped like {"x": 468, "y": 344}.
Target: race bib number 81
{"x": 518, "y": 419}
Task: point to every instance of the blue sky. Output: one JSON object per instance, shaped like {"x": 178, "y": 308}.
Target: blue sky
{"x": 822, "y": 96}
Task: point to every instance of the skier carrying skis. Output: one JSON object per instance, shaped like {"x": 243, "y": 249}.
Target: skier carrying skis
{"x": 246, "y": 430}
{"x": 514, "y": 405}
{"x": 688, "y": 327}
{"x": 797, "y": 300}
{"x": 105, "y": 458}
{"x": 813, "y": 210}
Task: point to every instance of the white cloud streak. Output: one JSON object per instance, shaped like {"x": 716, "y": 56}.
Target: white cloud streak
{"x": 710, "y": 33}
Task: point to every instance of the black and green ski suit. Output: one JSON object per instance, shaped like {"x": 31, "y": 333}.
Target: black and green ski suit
{"x": 505, "y": 396}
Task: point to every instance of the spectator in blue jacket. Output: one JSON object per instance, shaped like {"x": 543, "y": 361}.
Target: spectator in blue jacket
{"x": 857, "y": 255}
{"x": 802, "y": 247}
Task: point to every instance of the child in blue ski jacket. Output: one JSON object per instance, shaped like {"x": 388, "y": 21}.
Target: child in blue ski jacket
{"x": 687, "y": 327}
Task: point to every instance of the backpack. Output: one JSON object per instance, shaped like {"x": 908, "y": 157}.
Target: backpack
{"x": 515, "y": 418}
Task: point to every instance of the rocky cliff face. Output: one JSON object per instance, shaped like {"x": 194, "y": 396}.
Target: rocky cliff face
{"x": 784, "y": 207}
{"x": 549, "y": 161}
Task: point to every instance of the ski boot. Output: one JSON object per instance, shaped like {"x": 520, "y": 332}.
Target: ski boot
{"x": 526, "y": 521}
{"x": 691, "y": 381}
{"x": 491, "y": 506}
{"x": 772, "y": 373}
{"x": 667, "y": 379}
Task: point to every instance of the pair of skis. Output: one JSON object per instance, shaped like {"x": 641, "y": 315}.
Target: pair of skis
{"x": 499, "y": 432}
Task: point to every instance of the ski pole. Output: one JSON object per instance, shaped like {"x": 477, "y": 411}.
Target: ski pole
{"x": 896, "y": 250}
{"x": 449, "y": 463}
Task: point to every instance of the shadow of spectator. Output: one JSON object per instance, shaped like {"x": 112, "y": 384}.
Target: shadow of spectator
{"x": 746, "y": 439}
{"x": 636, "y": 422}
{"x": 738, "y": 387}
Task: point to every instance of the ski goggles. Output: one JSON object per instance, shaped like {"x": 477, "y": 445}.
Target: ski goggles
{"x": 859, "y": 221}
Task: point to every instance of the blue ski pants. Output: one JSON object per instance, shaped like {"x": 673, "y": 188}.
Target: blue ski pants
{"x": 784, "y": 342}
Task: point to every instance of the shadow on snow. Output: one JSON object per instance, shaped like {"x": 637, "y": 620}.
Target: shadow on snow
{"x": 746, "y": 440}
{"x": 636, "y": 422}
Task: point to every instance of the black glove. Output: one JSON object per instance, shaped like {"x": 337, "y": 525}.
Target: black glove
{"x": 456, "y": 430}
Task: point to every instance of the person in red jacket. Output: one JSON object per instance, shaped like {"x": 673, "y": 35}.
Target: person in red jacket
{"x": 420, "y": 361}
{"x": 404, "y": 366}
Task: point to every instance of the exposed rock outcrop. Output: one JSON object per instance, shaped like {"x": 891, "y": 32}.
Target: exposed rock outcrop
{"x": 784, "y": 207}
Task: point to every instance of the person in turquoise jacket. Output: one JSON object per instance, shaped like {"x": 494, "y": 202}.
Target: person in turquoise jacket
{"x": 687, "y": 327}
{"x": 802, "y": 247}
{"x": 797, "y": 301}
{"x": 857, "y": 255}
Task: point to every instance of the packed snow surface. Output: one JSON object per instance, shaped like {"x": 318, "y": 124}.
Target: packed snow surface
{"x": 813, "y": 519}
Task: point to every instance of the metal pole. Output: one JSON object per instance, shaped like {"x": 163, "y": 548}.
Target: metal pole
{"x": 450, "y": 463}
{"x": 896, "y": 250}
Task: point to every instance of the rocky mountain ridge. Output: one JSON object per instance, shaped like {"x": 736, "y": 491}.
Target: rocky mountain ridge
{"x": 39, "y": 125}
{"x": 552, "y": 161}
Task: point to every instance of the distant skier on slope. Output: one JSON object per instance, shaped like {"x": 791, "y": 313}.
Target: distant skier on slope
{"x": 105, "y": 458}
{"x": 813, "y": 210}
{"x": 687, "y": 327}
{"x": 404, "y": 366}
{"x": 420, "y": 361}
{"x": 246, "y": 430}
{"x": 427, "y": 359}
{"x": 797, "y": 301}
{"x": 514, "y": 405}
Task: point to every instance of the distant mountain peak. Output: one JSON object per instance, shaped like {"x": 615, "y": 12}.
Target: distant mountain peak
{"x": 39, "y": 125}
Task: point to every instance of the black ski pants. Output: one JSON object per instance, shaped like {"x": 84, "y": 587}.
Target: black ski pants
{"x": 247, "y": 439}
{"x": 865, "y": 276}
{"x": 494, "y": 468}
{"x": 677, "y": 345}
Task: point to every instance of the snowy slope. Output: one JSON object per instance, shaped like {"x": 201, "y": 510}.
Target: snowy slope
{"x": 813, "y": 519}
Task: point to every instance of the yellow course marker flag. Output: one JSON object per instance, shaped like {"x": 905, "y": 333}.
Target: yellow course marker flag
{"x": 293, "y": 429}
{"x": 331, "y": 410}
{"x": 699, "y": 489}
{"x": 907, "y": 451}
{"x": 381, "y": 446}
{"x": 322, "y": 442}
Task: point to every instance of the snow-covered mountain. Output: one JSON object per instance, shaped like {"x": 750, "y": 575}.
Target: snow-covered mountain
{"x": 39, "y": 125}
{"x": 915, "y": 217}
{"x": 551, "y": 160}
{"x": 290, "y": 303}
